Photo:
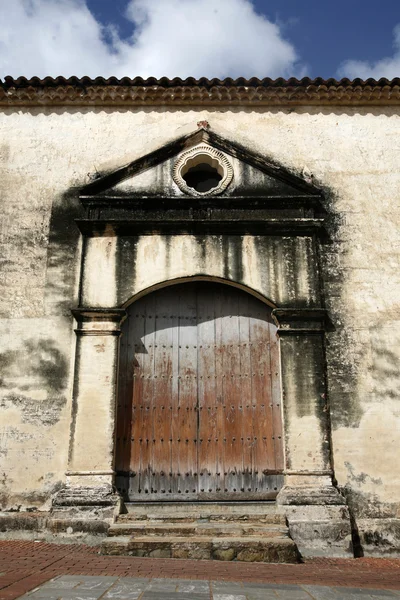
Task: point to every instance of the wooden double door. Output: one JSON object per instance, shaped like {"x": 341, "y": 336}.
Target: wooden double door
{"x": 199, "y": 408}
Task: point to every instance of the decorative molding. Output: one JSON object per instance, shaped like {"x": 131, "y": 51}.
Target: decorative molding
{"x": 99, "y": 321}
{"x": 216, "y": 158}
{"x": 301, "y": 320}
{"x": 202, "y": 226}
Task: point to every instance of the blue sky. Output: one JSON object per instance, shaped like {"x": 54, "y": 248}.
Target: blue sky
{"x": 326, "y": 33}
{"x": 212, "y": 38}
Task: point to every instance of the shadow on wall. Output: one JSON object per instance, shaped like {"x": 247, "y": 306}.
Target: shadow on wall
{"x": 63, "y": 256}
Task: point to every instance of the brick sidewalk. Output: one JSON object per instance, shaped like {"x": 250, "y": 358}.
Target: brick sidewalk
{"x": 25, "y": 565}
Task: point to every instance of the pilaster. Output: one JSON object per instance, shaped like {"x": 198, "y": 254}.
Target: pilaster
{"x": 90, "y": 474}
{"x": 317, "y": 514}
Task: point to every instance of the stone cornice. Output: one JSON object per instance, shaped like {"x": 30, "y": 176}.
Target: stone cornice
{"x": 301, "y": 320}
{"x": 202, "y": 92}
{"x": 99, "y": 321}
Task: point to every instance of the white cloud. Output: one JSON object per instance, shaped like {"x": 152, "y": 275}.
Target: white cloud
{"x": 388, "y": 67}
{"x": 211, "y": 38}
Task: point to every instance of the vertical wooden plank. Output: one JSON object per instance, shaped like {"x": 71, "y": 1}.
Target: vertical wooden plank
{"x": 262, "y": 417}
{"x": 162, "y": 394}
{"x": 276, "y": 397}
{"x": 188, "y": 410}
{"x": 146, "y": 407}
{"x": 134, "y": 372}
{"x": 122, "y": 450}
{"x": 231, "y": 376}
{"x": 246, "y": 393}
{"x": 221, "y": 479}
{"x": 208, "y": 430}
{"x": 174, "y": 402}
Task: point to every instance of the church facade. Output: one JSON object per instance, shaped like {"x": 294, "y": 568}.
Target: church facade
{"x": 200, "y": 301}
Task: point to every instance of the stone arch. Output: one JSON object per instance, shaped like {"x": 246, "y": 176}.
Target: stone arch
{"x": 201, "y": 277}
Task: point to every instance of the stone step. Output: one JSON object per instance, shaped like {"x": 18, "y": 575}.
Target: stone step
{"x": 198, "y": 528}
{"x": 264, "y": 512}
{"x": 242, "y": 548}
{"x": 206, "y": 507}
{"x": 195, "y": 516}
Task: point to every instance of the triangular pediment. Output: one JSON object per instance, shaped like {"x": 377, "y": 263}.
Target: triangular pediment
{"x": 153, "y": 174}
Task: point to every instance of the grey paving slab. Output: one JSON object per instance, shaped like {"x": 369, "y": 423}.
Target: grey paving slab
{"x": 94, "y": 586}
{"x": 272, "y": 586}
{"x": 110, "y": 578}
{"x": 60, "y": 584}
{"x": 296, "y": 594}
{"x": 157, "y": 586}
{"x": 124, "y": 593}
{"x": 169, "y": 595}
{"x": 372, "y": 592}
{"x": 320, "y": 592}
{"x": 377, "y": 596}
{"x": 121, "y": 586}
{"x": 73, "y": 587}
{"x": 74, "y": 593}
{"x": 261, "y": 595}
{"x": 226, "y": 587}
{"x": 54, "y": 597}
{"x": 229, "y": 597}
{"x": 135, "y": 580}
{"x": 188, "y": 587}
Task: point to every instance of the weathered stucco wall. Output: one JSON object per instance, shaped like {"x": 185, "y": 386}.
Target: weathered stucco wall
{"x": 47, "y": 155}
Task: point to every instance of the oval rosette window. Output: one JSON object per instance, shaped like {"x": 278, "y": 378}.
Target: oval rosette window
{"x": 202, "y": 171}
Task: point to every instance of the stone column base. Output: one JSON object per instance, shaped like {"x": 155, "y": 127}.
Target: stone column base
{"x": 100, "y": 503}
{"x": 319, "y": 520}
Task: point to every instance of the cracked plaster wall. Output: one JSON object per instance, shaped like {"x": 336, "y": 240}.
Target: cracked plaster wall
{"x": 45, "y": 155}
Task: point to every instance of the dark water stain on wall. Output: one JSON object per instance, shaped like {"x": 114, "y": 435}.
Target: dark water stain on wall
{"x": 366, "y": 505}
{"x": 63, "y": 254}
{"x": 125, "y": 272}
{"x": 37, "y": 365}
{"x": 344, "y": 355}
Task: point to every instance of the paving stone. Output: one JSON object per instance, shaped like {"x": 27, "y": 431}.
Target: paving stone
{"x": 61, "y": 584}
{"x": 378, "y": 596}
{"x": 226, "y": 587}
{"x": 82, "y": 578}
{"x": 164, "y": 584}
{"x": 124, "y": 594}
{"x": 94, "y": 585}
{"x": 319, "y": 592}
{"x": 74, "y": 594}
{"x": 169, "y": 595}
{"x": 372, "y": 591}
{"x": 228, "y": 597}
{"x": 296, "y": 594}
{"x": 259, "y": 591}
{"x": 260, "y": 595}
{"x": 54, "y": 597}
{"x": 339, "y": 593}
{"x": 139, "y": 580}
{"x": 129, "y": 592}
{"x": 188, "y": 586}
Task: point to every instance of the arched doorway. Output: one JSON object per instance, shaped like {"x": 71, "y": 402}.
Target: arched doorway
{"x": 199, "y": 405}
